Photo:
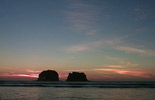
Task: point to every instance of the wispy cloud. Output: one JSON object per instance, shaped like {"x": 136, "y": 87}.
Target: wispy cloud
{"x": 19, "y": 75}
{"x": 82, "y": 16}
{"x": 91, "y": 45}
{"x": 33, "y": 71}
{"x": 115, "y": 66}
{"x": 123, "y": 62}
{"x": 77, "y": 48}
{"x": 116, "y": 44}
{"x": 27, "y": 74}
{"x": 129, "y": 49}
{"x": 136, "y": 50}
{"x": 136, "y": 73}
{"x": 111, "y": 66}
{"x": 143, "y": 13}
{"x": 76, "y": 70}
{"x": 91, "y": 32}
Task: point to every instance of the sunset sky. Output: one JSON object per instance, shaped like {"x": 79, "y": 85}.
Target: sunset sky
{"x": 109, "y": 40}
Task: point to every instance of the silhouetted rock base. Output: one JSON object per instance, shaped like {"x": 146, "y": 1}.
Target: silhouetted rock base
{"x": 77, "y": 77}
{"x": 48, "y": 75}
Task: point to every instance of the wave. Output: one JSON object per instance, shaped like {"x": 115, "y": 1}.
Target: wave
{"x": 106, "y": 84}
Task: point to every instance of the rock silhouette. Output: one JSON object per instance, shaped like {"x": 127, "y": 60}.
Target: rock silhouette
{"x": 77, "y": 77}
{"x": 48, "y": 75}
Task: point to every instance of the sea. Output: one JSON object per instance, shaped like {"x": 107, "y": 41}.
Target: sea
{"x": 108, "y": 90}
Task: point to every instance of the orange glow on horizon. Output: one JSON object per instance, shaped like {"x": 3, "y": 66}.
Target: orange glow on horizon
{"x": 136, "y": 73}
{"x": 100, "y": 74}
{"x": 19, "y": 75}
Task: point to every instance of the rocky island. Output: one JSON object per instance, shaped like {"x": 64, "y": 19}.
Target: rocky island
{"x": 77, "y": 77}
{"x": 48, "y": 75}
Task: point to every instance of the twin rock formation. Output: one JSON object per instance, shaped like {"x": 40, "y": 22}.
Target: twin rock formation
{"x": 51, "y": 75}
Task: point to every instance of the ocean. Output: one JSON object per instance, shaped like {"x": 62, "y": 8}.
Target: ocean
{"x": 32, "y": 90}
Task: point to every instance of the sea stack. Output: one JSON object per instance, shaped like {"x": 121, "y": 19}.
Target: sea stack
{"x": 77, "y": 77}
{"x": 48, "y": 75}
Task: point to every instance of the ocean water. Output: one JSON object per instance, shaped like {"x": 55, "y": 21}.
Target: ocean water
{"x": 77, "y": 90}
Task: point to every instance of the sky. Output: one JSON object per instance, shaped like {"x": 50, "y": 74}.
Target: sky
{"x": 108, "y": 40}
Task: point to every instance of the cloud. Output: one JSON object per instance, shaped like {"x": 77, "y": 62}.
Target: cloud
{"x": 82, "y": 16}
{"x": 75, "y": 70}
{"x": 77, "y": 48}
{"x": 143, "y": 13}
{"x": 19, "y": 75}
{"x": 91, "y": 32}
{"x": 129, "y": 49}
{"x": 100, "y": 43}
{"x": 135, "y": 50}
{"x": 91, "y": 45}
{"x": 111, "y": 66}
{"x": 136, "y": 73}
{"x": 80, "y": 5}
{"x": 123, "y": 62}
{"x": 131, "y": 64}
{"x": 116, "y": 44}
{"x": 115, "y": 66}
{"x": 32, "y": 71}
{"x": 22, "y": 75}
